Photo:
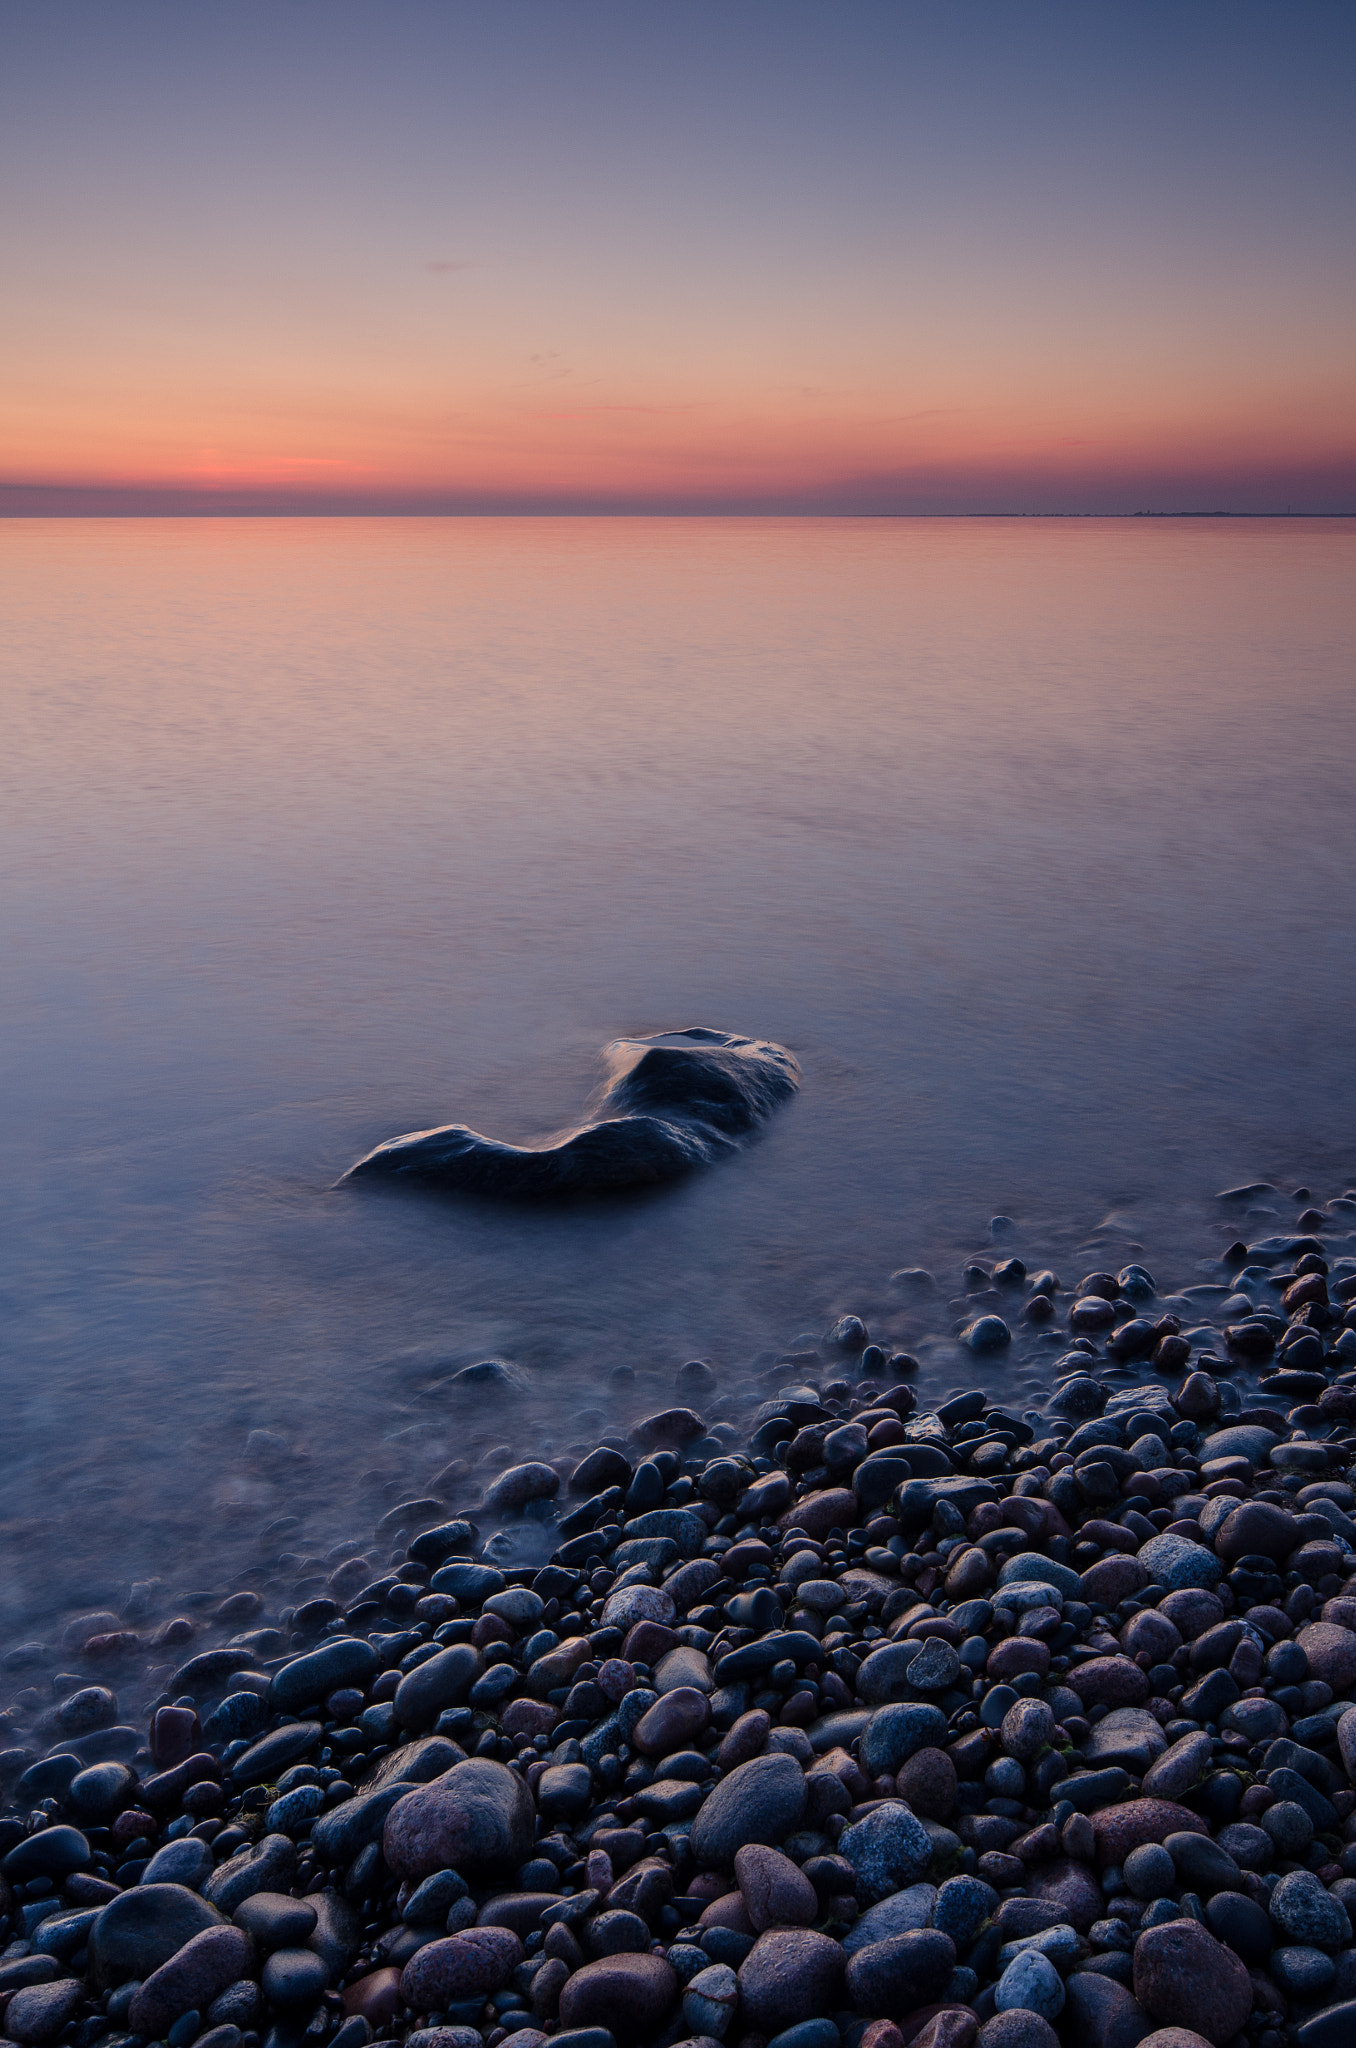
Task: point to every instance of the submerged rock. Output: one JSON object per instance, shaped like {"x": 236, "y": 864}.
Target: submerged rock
{"x": 673, "y": 1102}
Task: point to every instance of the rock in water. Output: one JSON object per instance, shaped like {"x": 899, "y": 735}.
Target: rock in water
{"x": 673, "y": 1102}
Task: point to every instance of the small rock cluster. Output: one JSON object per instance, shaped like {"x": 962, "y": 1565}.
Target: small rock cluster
{"x": 885, "y": 1726}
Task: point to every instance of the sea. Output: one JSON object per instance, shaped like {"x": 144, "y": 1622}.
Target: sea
{"x": 1033, "y": 839}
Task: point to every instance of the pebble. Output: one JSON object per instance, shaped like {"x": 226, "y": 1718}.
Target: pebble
{"x": 1181, "y": 1974}
{"x": 917, "y": 1720}
{"x": 478, "y": 1817}
{"x": 788, "y": 1975}
{"x": 891, "y": 1978}
{"x": 1032, "y": 1983}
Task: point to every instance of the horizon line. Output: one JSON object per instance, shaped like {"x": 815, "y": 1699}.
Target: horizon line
{"x": 332, "y": 511}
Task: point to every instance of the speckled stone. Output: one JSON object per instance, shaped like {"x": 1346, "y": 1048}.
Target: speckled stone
{"x": 789, "y": 1974}
{"x": 1177, "y": 1562}
{"x": 1182, "y": 1973}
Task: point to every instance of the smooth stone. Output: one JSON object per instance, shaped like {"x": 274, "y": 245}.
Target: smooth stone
{"x": 1180, "y": 1767}
{"x": 264, "y": 1762}
{"x": 139, "y": 1931}
{"x": 1100, "y": 2013}
{"x": 1032, "y": 1983}
{"x": 896, "y": 1732}
{"x": 762, "y": 1801}
{"x": 629, "y": 1994}
{"x": 347, "y": 1661}
{"x": 261, "y": 1866}
{"x": 774, "y": 1891}
{"x": 1129, "y": 1736}
{"x": 1070, "y": 1889}
{"x": 789, "y": 1975}
{"x": 470, "y": 1964}
{"x": 1331, "y": 1652}
{"x": 1242, "y": 1925}
{"x": 53, "y": 1852}
{"x": 441, "y": 1681}
{"x": 275, "y": 1920}
{"x": 674, "y": 1722}
{"x": 679, "y": 1100}
{"x": 964, "y": 1905}
{"x": 41, "y": 2011}
{"x": 479, "y": 1816}
{"x": 1202, "y": 1866}
{"x": 1176, "y": 1562}
{"x": 1019, "y": 2028}
{"x": 189, "y": 1980}
{"x": 1109, "y": 1682}
{"x": 1183, "y": 1975}
{"x": 890, "y": 1978}
{"x": 187, "y": 1862}
{"x": 293, "y": 1977}
{"x": 519, "y": 1484}
{"x": 1032, "y": 1567}
{"x": 1307, "y": 1914}
{"x": 903, "y": 1912}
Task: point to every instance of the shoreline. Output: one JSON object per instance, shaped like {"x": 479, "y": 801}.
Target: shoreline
{"x": 859, "y": 1717}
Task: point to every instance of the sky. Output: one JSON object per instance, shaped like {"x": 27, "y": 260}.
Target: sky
{"x": 881, "y": 256}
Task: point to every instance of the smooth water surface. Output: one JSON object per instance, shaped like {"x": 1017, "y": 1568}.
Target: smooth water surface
{"x": 1033, "y": 840}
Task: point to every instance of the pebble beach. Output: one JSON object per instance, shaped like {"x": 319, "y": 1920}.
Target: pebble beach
{"x": 819, "y": 1717}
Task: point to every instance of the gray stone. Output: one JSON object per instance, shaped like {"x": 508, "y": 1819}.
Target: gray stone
{"x": 889, "y": 1849}
{"x": 1307, "y": 1915}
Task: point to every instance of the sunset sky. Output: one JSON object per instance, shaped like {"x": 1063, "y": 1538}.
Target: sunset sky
{"x": 959, "y": 255}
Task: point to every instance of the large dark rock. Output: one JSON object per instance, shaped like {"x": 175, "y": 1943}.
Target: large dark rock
{"x": 890, "y": 1978}
{"x": 761, "y": 1801}
{"x": 790, "y": 1974}
{"x": 136, "y": 1933}
{"x": 628, "y": 1994}
{"x": 478, "y": 1816}
{"x": 673, "y": 1102}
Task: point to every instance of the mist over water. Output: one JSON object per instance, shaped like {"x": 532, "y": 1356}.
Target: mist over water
{"x": 1033, "y": 841}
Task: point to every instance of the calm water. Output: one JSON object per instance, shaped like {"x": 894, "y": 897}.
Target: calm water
{"x": 1034, "y": 840}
